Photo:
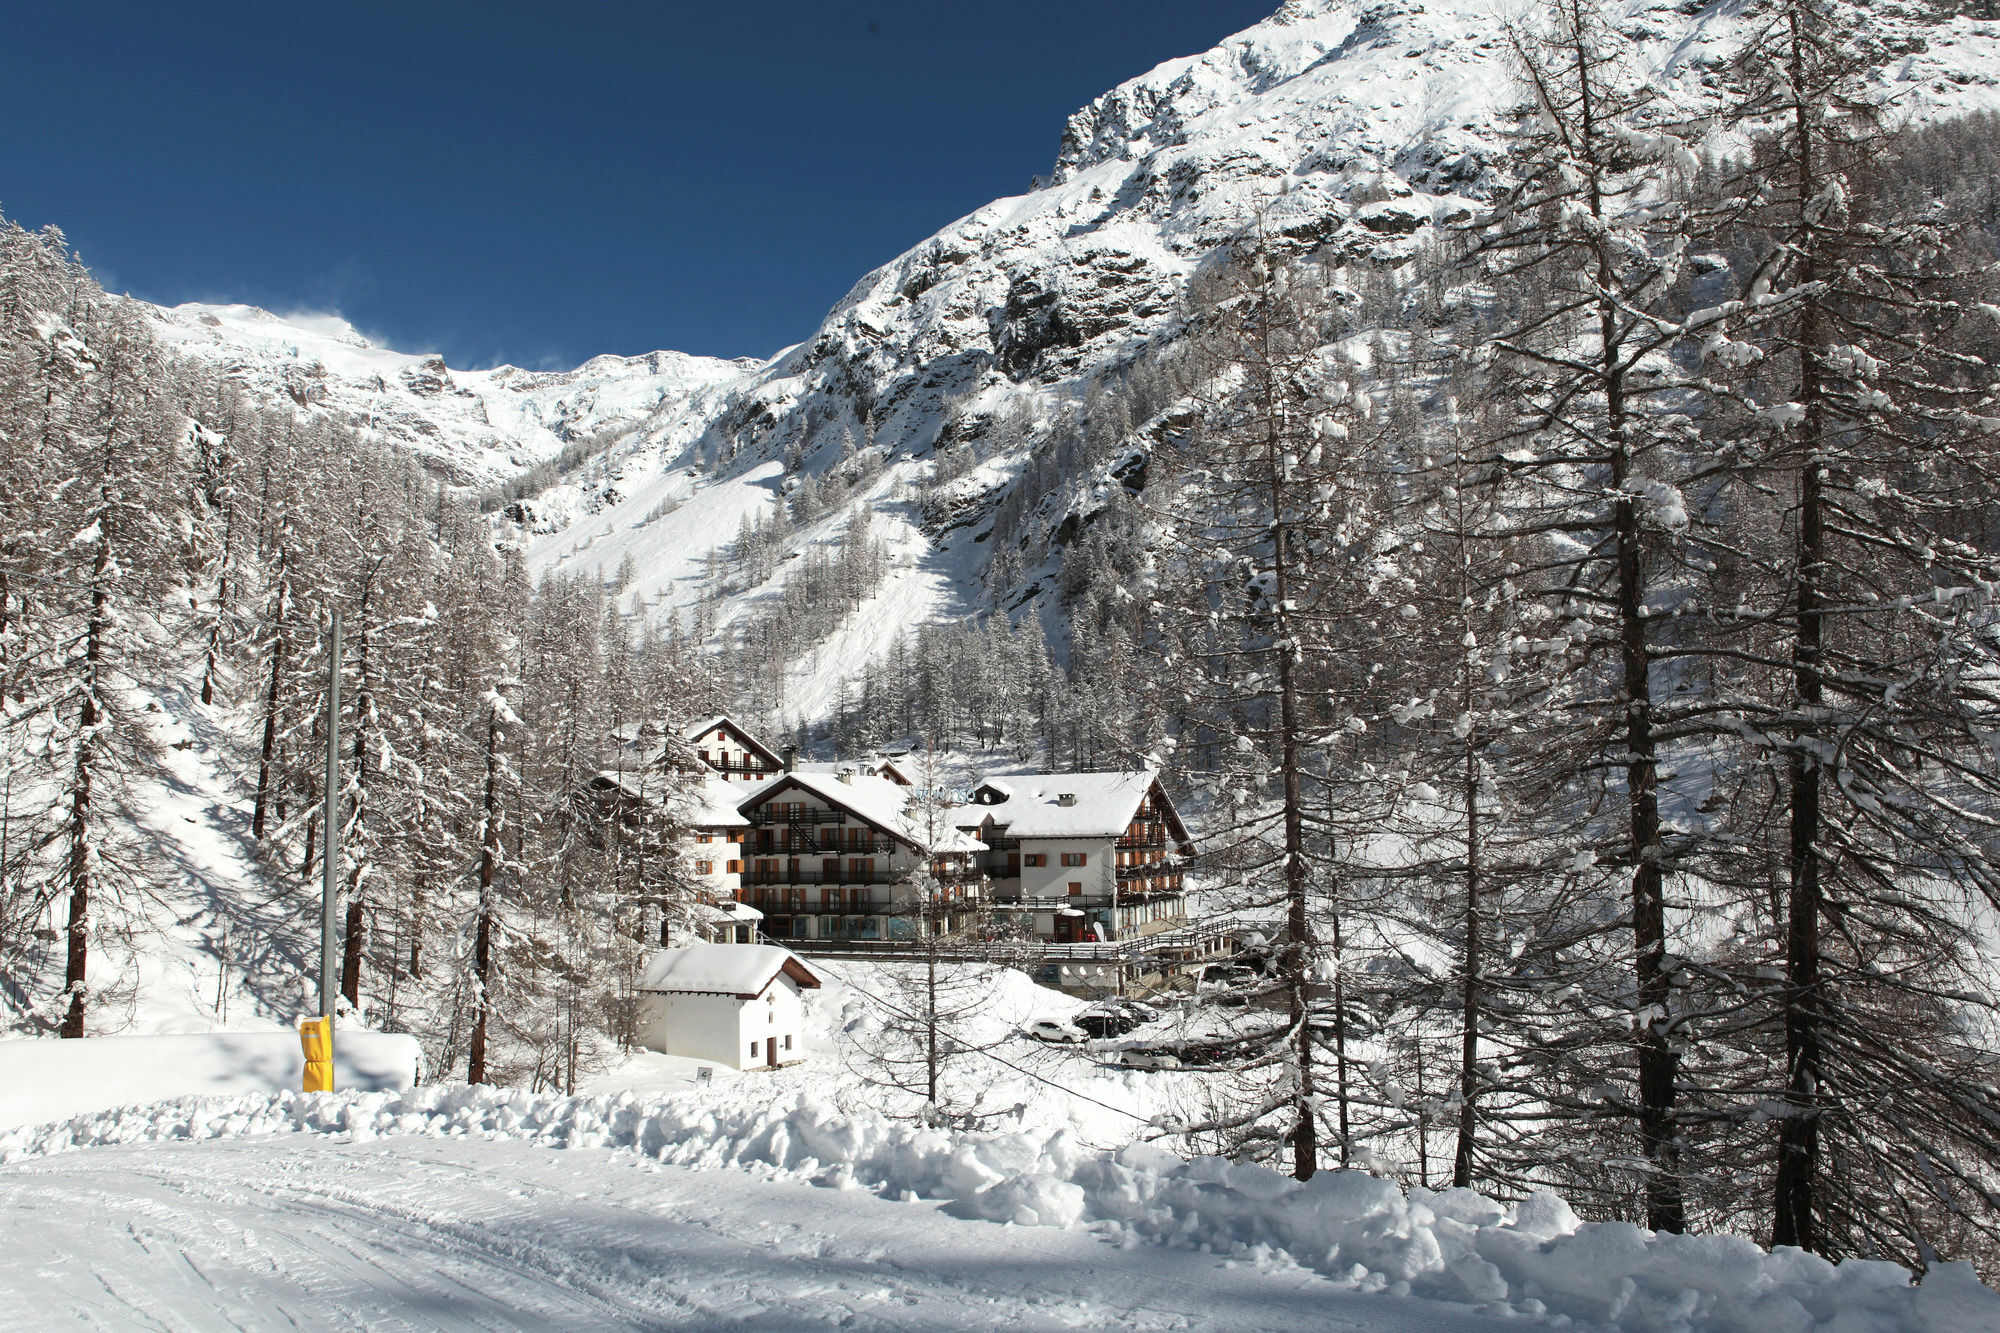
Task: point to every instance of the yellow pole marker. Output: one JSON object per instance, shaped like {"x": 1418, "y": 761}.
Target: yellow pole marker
{"x": 316, "y": 1035}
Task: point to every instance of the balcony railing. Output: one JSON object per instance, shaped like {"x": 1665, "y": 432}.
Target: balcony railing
{"x": 1051, "y": 904}
{"x": 1149, "y": 840}
{"x": 754, "y": 767}
{"x": 765, "y": 814}
{"x": 803, "y": 876}
{"x": 802, "y": 842}
{"x": 1150, "y": 869}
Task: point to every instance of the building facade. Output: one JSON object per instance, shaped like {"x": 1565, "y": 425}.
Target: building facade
{"x": 740, "y": 1005}
{"x": 732, "y": 751}
{"x": 1076, "y": 857}
{"x": 848, "y": 855}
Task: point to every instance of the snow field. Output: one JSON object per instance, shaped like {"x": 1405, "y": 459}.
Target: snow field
{"x": 1532, "y": 1259}
{"x": 53, "y": 1080}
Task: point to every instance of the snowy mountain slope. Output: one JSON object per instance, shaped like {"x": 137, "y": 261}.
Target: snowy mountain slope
{"x": 1360, "y": 124}
{"x": 473, "y": 426}
{"x": 210, "y": 936}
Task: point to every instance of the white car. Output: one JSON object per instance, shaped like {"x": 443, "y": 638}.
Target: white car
{"x": 1055, "y": 1030}
{"x": 1148, "y": 1060}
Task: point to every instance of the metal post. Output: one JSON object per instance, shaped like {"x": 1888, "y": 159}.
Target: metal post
{"x": 330, "y": 821}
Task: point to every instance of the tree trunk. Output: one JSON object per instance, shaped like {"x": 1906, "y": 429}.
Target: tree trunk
{"x": 1793, "y": 1220}
{"x": 77, "y": 966}
{"x": 489, "y": 857}
{"x": 1468, "y": 1058}
{"x": 1659, "y": 1139}
{"x": 213, "y": 660}
{"x": 350, "y": 953}
{"x": 267, "y": 751}
{"x": 1298, "y": 922}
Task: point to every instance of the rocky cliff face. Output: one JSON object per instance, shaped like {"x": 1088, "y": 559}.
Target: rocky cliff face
{"x": 1359, "y": 123}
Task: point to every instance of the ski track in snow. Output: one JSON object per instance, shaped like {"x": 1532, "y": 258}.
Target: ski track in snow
{"x": 470, "y": 1234}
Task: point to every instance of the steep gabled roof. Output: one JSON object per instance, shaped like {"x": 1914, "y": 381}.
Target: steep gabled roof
{"x": 876, "y": 801}
{"x": 694, "y": 731}
{"x": 1032, "y": 807}
{"x": 742, "y": 970}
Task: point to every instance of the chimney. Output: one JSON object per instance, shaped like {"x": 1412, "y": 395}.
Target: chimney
{"x": 791, "y": 755}
{"x": 1067, "y": 798}
{"x": 847, "y": 776}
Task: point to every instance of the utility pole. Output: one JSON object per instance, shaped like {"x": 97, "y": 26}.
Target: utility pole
{"x": 329, "y": 980}
{"x": 316, "y": 1034}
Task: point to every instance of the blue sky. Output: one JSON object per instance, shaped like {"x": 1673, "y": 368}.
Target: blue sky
{"x": 538, "y": 183}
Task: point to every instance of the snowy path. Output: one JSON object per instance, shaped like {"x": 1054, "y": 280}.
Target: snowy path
{"x": 470, "y": 1234}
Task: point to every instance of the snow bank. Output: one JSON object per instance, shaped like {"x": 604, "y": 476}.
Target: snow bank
{"x": 1531, "y": 1259}
{"x": 49, "y": 1079}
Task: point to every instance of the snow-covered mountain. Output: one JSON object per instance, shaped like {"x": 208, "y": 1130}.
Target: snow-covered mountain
{"x": 474, "y": 427}
{"x": 1361, "y": 124}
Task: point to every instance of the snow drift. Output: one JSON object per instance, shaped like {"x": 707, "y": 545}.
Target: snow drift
{"x": 1533, "y": 1258}
{"x": 48, "y": 1079}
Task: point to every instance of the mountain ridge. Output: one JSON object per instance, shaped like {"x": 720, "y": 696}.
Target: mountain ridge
{"x": 1357, "y": 125}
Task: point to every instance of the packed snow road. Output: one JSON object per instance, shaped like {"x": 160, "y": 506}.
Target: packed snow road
{"x": 421, "y": 1233}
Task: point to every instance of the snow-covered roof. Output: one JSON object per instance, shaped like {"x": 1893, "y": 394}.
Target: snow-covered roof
{"x": 709, "y": 803}
{"x": 713, "y": 804}
{"x": 694, "y": 731}
{"x": 722, "y": 969}
{"x": 727, "y": 911}
{"x": 628, "y": 782}
{"x": 873, "y": 766}
{"x": 879, "y": 801}
{"x": 1032, "y": 807}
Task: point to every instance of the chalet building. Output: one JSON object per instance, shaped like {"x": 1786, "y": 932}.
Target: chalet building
{"x": 728, "y": 747}
{"x": 1081, "y": 856}
{"x": 640, "y": 805}
{"x": 740, "y": 1005}
{"x": 836, "y": 856}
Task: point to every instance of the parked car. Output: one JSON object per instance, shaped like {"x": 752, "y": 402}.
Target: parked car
{"x": 1055, "y": 1030}
{"x": 1114, "y": 1018}
{"x": 1148, "y": 1060}
{"x": 1229, "y": 983}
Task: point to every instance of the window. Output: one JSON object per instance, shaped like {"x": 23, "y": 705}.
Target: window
{"x": 704, "y": 756}
{"x": 1075, "y": 858}
{"x": 788, "y": 1041}
{"x": 719, "y": 736}
{"x": 704, "y": 867}
{"x": 753, "y": 1050}
{"x": 1034, "y": 858}
{"x": 704, "y": 837}
{"x": 1075, "y": 888}
{"x": 732, "y": 867}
